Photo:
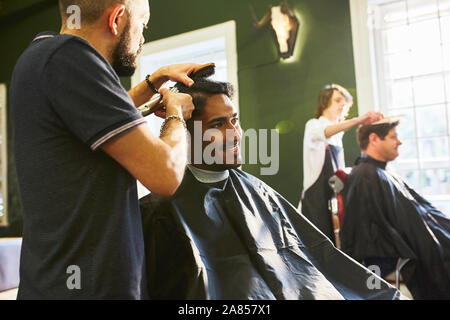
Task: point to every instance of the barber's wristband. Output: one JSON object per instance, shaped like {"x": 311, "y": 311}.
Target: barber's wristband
{"x": 150, "y": 84}
{"x": 163, "y": 127}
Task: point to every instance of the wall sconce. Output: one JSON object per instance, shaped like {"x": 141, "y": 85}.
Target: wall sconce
{"x": 284, "y": 24}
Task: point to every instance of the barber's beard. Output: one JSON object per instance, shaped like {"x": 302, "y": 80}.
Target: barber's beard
{"x": 124, "y": 62}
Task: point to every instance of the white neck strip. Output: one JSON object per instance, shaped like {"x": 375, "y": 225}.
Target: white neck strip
{"x": 207, "y": 176}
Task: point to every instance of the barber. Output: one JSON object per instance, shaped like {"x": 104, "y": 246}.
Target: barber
{"x": 323, "y": 152}
{"x": 80, "y": 144}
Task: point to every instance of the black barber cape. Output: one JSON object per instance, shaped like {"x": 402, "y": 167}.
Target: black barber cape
{"x": 385, "y": 218}
{"x": 239, "y": 239}
{"x": 315, "y": 199}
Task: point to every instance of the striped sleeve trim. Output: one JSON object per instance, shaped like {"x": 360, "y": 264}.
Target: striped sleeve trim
{"x": 43, "y": 37}
{"x": 116, "y": 132}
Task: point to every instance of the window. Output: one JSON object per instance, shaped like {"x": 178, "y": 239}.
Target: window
{"x": 3, "y": 158}
{"x": 212, "y": 44}
{"x": 410, "y": 55}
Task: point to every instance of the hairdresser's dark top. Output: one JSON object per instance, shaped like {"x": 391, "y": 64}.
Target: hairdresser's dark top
{"x": 80, "y": 206}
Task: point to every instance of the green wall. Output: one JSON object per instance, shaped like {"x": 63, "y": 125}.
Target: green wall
{"x": 20, "y": 21}
{"x": 270, "y": 90}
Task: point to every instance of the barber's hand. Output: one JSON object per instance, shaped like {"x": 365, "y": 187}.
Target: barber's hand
{"x": 177, "y": 73}
{"x": 370, "y": 117}
{"x": 179, "y": 104}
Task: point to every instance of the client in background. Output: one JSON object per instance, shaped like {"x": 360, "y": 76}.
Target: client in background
{"x": 385, "y": 219}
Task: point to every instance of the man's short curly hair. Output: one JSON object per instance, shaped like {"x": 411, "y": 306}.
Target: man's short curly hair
{"x": 202, "y": 89}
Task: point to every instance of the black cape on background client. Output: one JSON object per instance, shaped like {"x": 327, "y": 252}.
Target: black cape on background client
{"x": 385, "y": 219}
{"x": 239, "y": 239}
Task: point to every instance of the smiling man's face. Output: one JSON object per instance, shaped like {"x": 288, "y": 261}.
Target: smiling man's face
{"x": 220, "y": 122}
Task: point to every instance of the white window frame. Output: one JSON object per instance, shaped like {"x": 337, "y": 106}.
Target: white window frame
{"x": 365, "y": 72}
{"x": 4, "y": 154}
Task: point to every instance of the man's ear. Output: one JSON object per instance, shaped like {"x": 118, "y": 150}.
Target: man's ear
{"x": 373, "y": 137}
{"x": 114, "y": 18}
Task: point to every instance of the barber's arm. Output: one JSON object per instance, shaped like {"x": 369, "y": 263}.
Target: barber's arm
{"x": 158, "y": 163}
{"x": 367, "y": 118}
{"x": 177, "y": 73}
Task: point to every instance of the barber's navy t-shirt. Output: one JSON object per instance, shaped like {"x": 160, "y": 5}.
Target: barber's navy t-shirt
{"x": 82, "y": 236}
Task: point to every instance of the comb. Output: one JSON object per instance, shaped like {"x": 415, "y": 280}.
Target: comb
{"x": 390, "y": 119}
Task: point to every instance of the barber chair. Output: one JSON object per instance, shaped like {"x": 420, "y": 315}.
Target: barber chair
{"x": 336, "y": 203}
{"x": 336, "y": 206}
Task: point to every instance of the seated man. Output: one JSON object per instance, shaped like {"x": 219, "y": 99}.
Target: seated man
{"x": 385, "y": 219}
{"x": 227, "y": 235}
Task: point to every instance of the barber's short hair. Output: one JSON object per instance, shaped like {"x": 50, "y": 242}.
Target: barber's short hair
{"x": 91, "y": 10}
{"x": 325, "y": 95}
{"x": 202, "y": 89}
{"x": 381, "y": 130}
